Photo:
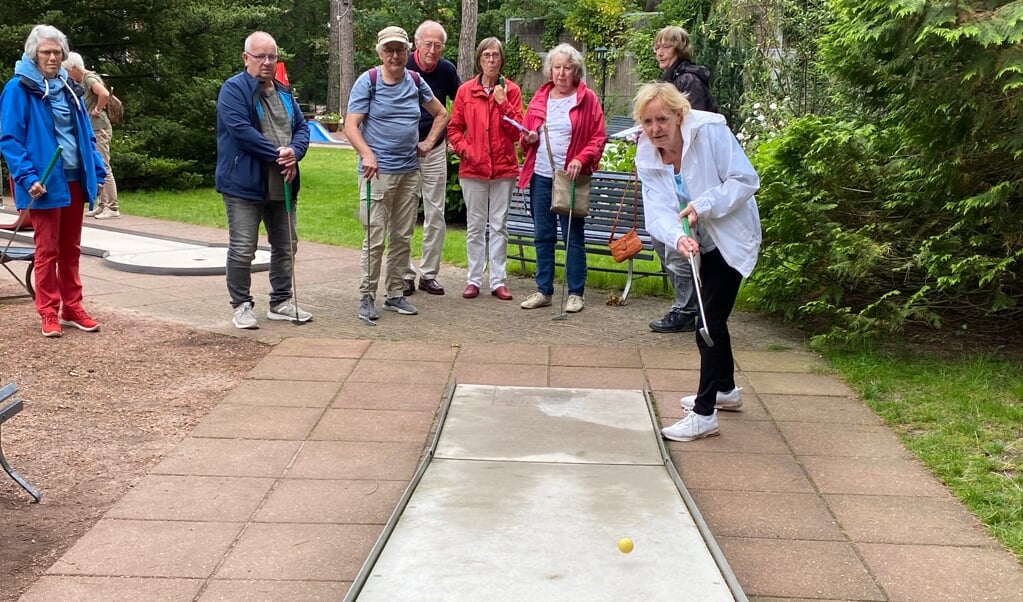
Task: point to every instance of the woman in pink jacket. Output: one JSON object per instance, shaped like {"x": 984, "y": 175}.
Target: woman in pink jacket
{"x": 482, "y": 132}
{"x": 574, "y": 141}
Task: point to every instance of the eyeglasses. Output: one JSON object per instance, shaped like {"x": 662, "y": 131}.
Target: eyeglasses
{"x": 663, "y": 47}
{"x": 491, "y": 56}
{"x": 431, "y": 46}
{"x": 394, "y": 51}
{"x": 263, "y": 58}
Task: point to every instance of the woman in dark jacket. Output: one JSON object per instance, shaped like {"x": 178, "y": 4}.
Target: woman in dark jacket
{"x": 674, "y": 55}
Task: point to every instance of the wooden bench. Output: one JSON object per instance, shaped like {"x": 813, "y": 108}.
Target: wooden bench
{"x": 606, "y": 191}
{"x": 6, "y": 412}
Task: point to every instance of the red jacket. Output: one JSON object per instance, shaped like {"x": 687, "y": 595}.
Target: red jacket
{"x": 588, "y": 132}
{"x": 480, "y": 136}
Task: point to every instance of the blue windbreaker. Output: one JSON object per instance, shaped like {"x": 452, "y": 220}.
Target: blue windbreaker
{"x": 28, "y": 141}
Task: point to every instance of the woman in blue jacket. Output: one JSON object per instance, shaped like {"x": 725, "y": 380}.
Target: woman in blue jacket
{"x": 41, "y": 109}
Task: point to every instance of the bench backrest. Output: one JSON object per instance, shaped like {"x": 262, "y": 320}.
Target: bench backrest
{"x": 607, "y": 189}
{"x": 6, "y": 411}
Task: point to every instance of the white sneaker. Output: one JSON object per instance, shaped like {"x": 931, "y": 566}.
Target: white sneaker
{"x": 108, "y": 214}
{"x": 728, "y": 401}
{"x": 536, "y": 300}
{"x": 287, "y": 310}
{"x": 574, "y": 304}
{"x": 692, "y": 427}
{"x": 244, "y": 318}
{"x": 93, "y": 212}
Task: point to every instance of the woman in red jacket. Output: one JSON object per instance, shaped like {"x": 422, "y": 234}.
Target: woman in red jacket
{"x": 482, "y": 132}
{"x": 564, "y": 130}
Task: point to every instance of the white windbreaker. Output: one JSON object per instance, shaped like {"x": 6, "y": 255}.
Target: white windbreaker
{"x": 721, "y": 181}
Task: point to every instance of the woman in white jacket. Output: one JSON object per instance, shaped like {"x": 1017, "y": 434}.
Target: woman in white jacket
{"x": 693, "y": 168}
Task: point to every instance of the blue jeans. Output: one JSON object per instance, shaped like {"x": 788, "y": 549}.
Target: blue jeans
{"x": 545, "y": 236}
{"x": 243, "y": 219}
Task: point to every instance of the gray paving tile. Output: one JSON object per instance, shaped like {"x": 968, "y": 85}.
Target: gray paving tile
{"x": 192, "y": 498}
{"x": 132, "y": 548}
{"x": 67, "y": 588}
{"x": 525, "y": 375}
{"x": 594, "y": 357}
{"x": 780, "y": 361}
{"x": 294, "y": 393}
{"x": 414, "y": 372}
{"x": 765, "y": 515}
{"x": 331, "y": 501}
{"x": 908, "y": 520}
{"x": 326, "y": 348}
{"x": 872, "y": 476}
{"x": 597, "y": 378}
{"x": 320, "y": 552}
{"x": 258, "y": 422}
{"x": 777, "y": 473}
{"x": 346, "y": 424}
{"x": 944, "y": 573}
{"x": 855, "y": 440}
{"x": 235, "y": 590}
{"x": 228, "y": 457}
{"x": 795, "y": 383}
{"x": 285, "y": 367}
{"x": 390, "y": 396}
{"x": 356, "y": 460}
{"x": 509, "y": 353}
{"x": 812, "y": 408}
{"x": 817, "y": 570}
{"x": 396, "y": 351}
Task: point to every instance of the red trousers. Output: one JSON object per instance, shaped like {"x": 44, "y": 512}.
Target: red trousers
{"x": 58, "y": 239}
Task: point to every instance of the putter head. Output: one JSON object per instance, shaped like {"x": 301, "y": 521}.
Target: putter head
{"x": 560, "y": 317}
{"x": 705, "y": 334}
{"x": 367, "y": 321}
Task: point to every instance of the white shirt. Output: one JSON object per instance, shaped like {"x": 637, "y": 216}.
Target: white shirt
{"x": 559, "y": 130}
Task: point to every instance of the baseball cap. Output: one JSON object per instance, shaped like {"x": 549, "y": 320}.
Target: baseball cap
{"x": 392, "y": 34}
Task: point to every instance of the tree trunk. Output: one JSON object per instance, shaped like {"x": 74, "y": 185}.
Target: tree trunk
{"x": 346, "y": 50}
{"x": 334, "y": 58}
{"x": 467, "y": 40}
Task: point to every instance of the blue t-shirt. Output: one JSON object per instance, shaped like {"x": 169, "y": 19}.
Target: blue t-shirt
{"x": 391, "y": 125}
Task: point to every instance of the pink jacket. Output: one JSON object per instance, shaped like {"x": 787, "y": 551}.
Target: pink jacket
{"x": 588, "y": 132}
{"x": 480, "y": 136}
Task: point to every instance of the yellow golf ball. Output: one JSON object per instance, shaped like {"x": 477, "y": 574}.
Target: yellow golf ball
{"x": 625, "y": 545}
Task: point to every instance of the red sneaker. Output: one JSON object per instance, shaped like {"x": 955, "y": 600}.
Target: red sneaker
{"x": 79, "y": 319}
{"x": 51, "y": 327}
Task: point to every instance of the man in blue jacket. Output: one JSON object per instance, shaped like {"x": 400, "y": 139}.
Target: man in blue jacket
{"x": 261, "y": 137}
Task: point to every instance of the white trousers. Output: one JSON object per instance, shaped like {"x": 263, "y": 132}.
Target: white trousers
{"x": 433, "y": 169}
{"x": 486, "y": 209}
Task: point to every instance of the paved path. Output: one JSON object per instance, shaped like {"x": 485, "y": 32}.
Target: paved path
{"x": 282, "y": 489}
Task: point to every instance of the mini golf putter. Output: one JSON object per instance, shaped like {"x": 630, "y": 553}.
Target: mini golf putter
{"x": 697, "y": 284}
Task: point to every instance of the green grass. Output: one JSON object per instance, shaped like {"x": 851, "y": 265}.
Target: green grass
{"x": 328, "y": 213}
{"x": 962, "y": 417}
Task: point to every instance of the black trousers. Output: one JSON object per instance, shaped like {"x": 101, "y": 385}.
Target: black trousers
{"x": 717, "y": 366}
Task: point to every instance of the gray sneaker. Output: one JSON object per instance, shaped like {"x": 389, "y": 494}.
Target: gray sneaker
{"x": 244, "y": 318}
{"x": 400, "y": 305}
{"x": 366, "y": 309}
{"x": 287, "y": 310}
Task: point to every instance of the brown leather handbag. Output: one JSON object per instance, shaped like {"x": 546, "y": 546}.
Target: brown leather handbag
{"x": 628, "y": 245}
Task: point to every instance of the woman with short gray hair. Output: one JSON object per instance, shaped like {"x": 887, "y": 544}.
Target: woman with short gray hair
{"x": 564, "y": 130}
{"x": 40, "y": 111}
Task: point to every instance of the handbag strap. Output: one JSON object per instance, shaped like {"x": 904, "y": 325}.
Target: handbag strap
{"x": 635, "y": 208}
{"x": 550, "y": 155}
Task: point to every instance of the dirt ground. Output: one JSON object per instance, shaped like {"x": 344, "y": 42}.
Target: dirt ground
{"x": 101, "y": 409}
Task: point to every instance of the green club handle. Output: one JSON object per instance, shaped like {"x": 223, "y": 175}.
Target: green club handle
{"x": 287, "y": 196}
{"x": 53, "y": 161}
{"x": 571, "y": 197}
{"x": 685, "y": 222}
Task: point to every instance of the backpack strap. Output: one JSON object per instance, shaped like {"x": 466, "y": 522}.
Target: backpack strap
{"x": 373, "y": 81}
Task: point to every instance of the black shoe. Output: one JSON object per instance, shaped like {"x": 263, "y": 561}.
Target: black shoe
{"x": 676, "y": 320}
{"x": 409, "y": 288}
{"x": 431, "y": 286}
